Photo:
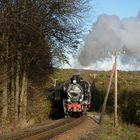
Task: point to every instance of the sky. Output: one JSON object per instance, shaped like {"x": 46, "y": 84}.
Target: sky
{"x": 123, "y": 9}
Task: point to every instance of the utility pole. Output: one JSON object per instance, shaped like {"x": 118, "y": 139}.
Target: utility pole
{"x": 107, "y": 93}
{"x": 93, "y": 76}
{"x": 55, "y": 82}
{"x": 116, "y": 90}
{"x": 114, "y": 70}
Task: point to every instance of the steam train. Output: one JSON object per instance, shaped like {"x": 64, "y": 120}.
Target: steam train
{"x": 71, "y": 97}
{"x": 76, "y": 96}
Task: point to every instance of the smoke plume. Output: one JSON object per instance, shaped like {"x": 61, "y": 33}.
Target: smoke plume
{"x": 110, "y": 33}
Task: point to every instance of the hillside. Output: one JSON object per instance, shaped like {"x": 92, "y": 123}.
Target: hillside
{"x": 128, "y": 101}
{"x": 39, "y": 107}
{"x": 128, "y": 91}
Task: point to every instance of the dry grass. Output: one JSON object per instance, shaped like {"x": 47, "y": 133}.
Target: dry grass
{"x": 122, "y": 132}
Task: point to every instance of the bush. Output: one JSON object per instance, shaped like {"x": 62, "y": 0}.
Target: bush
{"x": 129, "y": 102}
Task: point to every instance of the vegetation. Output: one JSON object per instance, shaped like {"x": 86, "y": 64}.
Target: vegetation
{"x": 128, "y": 102}
{"x": 123, "y": 132}
{"x": 128, "y": 91}
{"x": 34, "y": 35}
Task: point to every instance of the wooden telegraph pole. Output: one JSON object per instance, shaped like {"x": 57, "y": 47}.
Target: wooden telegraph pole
{"x": 114, "y": 70}
{"x": 116, "y": 91}
{"x": 106, "y": 96}
{"x": 54, "y": 80}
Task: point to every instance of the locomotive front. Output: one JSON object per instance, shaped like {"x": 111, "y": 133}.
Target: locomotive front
{"x": 75, "y": 99}
{"x": 75, "y": 92}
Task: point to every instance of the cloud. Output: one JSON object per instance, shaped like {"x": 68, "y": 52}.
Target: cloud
{"x": 110, "y": 33}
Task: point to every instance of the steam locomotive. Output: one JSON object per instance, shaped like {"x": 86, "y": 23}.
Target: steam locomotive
{"x": 76, "y": 96}
{"x": 71, "y": 97}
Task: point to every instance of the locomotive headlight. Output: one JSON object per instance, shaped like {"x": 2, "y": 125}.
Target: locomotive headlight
{"x": 80, "y": 100}
{"x": 74, "y": 81}
{"x": 68, "y": 100}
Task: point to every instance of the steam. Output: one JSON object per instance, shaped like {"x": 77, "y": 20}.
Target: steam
{"x": 110, "y": 33}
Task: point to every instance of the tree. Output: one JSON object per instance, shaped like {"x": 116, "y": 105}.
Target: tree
{"x": 34, "y": 33}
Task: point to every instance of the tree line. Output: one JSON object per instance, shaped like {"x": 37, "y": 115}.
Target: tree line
{"x": 34, "y": 36}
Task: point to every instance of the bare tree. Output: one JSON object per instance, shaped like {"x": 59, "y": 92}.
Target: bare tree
{"x": 34, "y": 33}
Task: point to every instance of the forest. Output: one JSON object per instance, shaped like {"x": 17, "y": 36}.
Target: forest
{"x": 35, "y": 36}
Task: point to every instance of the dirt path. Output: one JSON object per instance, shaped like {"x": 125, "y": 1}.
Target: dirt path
{"x": 88, "y": 130}
{"x": 19, "y": 134}
{"x": 84, "y": 128}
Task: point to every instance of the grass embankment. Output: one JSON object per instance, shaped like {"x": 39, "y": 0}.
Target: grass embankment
{"x": 122, "y": 132}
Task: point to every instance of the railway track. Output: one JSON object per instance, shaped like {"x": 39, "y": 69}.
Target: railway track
{"x": 46, "y": 132}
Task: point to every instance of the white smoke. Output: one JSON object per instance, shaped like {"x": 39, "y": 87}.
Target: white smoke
{"x": 110, "y": 33}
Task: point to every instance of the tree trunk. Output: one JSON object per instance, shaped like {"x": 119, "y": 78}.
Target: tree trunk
{"x": 5, "y": 96}
{"x": 5, "y": 84}
{"x": 23, "y": 96}
{"x": 17, "y": 90}
{"x": 12, "y": 90}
